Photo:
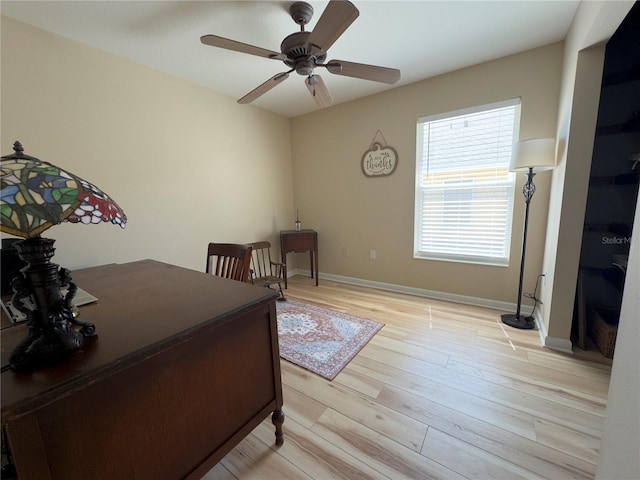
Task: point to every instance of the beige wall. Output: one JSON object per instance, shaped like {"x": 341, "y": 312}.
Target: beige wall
{"x": 187, "y": 165}
{"x": 99, "y": 115}
{"x": 354, "y": 214}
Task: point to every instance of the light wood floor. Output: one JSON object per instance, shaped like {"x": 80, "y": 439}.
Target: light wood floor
{"x": 442, "y": 391}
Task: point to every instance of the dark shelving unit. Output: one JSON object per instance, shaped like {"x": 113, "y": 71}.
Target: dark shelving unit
{"x": 613, "y": 191}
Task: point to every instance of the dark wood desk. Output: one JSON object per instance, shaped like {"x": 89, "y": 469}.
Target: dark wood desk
{"x": 184, "y": 367}
{"x": 302, "y": 241}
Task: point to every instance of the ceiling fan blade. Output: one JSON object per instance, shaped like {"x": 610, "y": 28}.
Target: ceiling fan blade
{"x": 364, "y": 71}
{"x": 318, "y": 91}
{"x": 221, "y": 42}
{"x": 335, "y": 19}
{"x": 264, "y": 88}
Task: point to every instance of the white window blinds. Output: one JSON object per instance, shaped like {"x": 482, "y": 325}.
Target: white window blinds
{"x": 464, "y": 190}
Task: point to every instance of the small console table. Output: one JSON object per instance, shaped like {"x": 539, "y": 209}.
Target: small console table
{"x": 300, "y": 241}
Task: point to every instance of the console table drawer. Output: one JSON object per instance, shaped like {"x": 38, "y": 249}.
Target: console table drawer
{"x": 300, "y": 243}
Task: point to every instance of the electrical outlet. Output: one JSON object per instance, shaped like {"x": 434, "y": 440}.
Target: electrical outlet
{"x": 345, "y": 252}
{"x": 372, "y": 254}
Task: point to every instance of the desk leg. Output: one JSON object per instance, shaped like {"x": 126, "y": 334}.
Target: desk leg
{"x": 278, "y": 419}
{"x": 283, "y": 256}
{"x": 315, "y": 254}
{"x": 284, "y": 271}
{"x": 311, "y": 261}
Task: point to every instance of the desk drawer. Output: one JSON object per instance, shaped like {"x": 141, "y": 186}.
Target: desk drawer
{"x": 300, "y": 243}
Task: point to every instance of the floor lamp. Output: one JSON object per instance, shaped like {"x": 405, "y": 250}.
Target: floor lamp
{"x": 529, "y": 156}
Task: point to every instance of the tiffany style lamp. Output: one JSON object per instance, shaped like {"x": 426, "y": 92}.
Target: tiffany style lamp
{"x": 37, "y": 195}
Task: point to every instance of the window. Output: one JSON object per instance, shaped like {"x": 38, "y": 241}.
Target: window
{"x": 464, "y": 190}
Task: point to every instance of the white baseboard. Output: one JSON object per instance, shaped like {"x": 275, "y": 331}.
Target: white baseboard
{"x": 420, "y": 292}
{"x": 542, "y": 330}
{"x": 554, "y": 343}
{"x": 560, "y": 344}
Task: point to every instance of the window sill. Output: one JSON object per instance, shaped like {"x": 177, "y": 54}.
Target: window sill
{"x": 490, "y": 262}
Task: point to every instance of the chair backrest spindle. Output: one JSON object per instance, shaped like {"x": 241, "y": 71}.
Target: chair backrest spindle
{"x": 232, "y": 260}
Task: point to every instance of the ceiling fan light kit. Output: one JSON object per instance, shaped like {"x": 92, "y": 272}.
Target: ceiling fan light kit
{"x": 304, "y": 51}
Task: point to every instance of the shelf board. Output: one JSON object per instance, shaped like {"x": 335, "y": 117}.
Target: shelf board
{"x": 615, "y": 228}
{"x": 632, "y": 178}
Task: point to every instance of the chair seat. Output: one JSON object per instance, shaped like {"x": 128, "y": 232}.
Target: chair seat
{"x": 266, "y": 281}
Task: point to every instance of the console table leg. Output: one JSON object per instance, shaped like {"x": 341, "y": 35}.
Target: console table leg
{"x": 278, "y": 419}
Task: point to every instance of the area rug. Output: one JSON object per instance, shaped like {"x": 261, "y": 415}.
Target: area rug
{"x": 321, "y": 340}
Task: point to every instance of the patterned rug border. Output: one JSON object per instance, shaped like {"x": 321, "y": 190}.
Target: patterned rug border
{"x": 299, "y": 345}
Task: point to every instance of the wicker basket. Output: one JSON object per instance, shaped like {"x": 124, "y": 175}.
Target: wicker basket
{"x": 602, "y": 333}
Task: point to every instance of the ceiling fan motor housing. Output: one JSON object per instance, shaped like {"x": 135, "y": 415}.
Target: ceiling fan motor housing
{"x": 298, "y": 57}
{"x": 301, "y": 12}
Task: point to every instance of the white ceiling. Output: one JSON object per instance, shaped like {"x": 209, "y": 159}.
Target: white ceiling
{"x": 421, "y": 38}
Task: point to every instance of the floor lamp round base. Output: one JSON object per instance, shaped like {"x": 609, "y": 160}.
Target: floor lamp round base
{"x": 522, "y": 322}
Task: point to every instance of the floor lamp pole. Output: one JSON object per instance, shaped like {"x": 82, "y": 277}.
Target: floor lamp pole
{"x": 518, "y": 321}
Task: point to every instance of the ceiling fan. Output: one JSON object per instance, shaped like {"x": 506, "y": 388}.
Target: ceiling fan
{"x": 303, "y": 51}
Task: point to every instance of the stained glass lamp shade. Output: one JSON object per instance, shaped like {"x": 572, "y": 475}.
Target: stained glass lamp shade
{"x": 35, "y": 196}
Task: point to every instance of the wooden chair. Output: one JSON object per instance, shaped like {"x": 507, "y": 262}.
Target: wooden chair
{"x": 264, "y": 271}
{"x": 229, "y": 260}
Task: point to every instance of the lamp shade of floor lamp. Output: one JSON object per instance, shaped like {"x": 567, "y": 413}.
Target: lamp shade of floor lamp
{"x": 529, "y": 156}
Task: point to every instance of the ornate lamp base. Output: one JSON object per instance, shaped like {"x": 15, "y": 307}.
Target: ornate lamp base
{"x": 522, "y": 322}
{"x": 54, "y": 334}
